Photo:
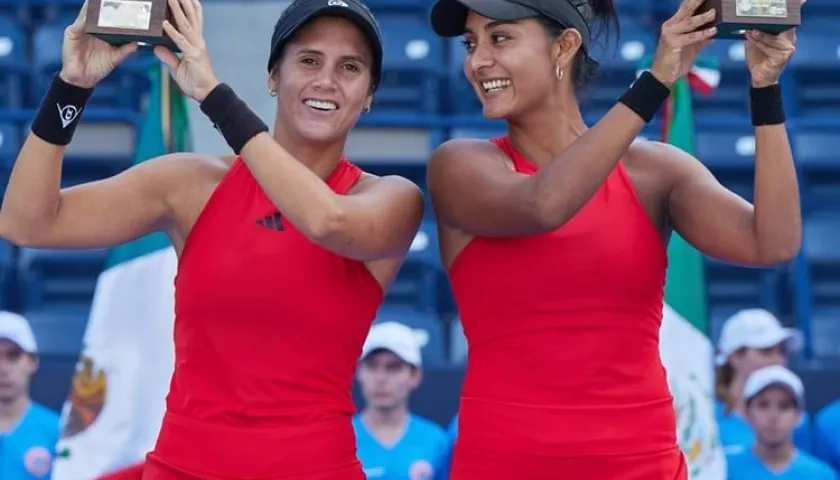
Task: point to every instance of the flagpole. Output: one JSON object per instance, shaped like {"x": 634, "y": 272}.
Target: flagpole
{"x": 166, "y": 110}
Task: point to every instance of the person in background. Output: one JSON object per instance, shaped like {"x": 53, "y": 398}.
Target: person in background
{"x": 827, "y": 435}
{"x": 750, "y": 339}
{"x": 774, "y": 402}
{"x": 28, "y": 431}
{"x": 394, "y": 444}
{"x": 451, "y": 436}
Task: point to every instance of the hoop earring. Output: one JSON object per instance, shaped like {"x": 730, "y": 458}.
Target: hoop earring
{"x": 558, "y": 72}
{"x": 367, "y": 108}
{"x": 273, "y": 93}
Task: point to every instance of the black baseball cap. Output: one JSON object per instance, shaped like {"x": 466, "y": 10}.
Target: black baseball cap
{"x": 301, "y": 12}
{"x": 449, "y": 16}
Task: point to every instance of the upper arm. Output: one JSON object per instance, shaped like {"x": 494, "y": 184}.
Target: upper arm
{"x": 378, "y": 221}
{"x": 108, "y": 212}
{"x": 473, "y": 190}
{"x": 710, "y": 217}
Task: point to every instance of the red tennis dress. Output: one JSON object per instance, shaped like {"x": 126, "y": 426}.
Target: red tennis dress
{"x": 564, "y": 378}
{"x": 269, "y": 327}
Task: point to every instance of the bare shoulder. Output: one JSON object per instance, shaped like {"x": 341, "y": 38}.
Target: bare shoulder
{"x": 392, "y": 184}
{"x": 661, "y": 157}
{"x": 464, "y": 149}
{"x": 177, "y": 168}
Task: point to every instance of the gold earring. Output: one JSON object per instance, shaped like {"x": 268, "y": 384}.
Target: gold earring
{"x": 558, "y": 72}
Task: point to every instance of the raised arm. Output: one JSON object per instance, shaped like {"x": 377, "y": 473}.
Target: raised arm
{"x": 35, "y": 211}
{"x": 377, "y": 220}
{"x": 473, "y": 190}
{"x": 720, "y": 223}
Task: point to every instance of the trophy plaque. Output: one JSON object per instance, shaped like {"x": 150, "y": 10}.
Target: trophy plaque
{"x": 734, "y": 17}
{"x": 124, "y": 21}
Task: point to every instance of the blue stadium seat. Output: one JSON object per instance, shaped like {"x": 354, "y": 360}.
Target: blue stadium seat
{"x": 428, "y": 326}
{"x": 479, "y": 129}
{"x": 7, "y": 273}
{"x": 731, "y": 286}
{"x": 729, "y": 154}
{"x": 123, "y": 88}
{"x": 826, "y": 331}
{"x": 53, "y": 278}
{"x": 815, "y": 8}
{"x": 818, "y": 155}
{"x": 9, "y": 144}
{"x": 460, "y": 98}
{"x": 619, "y": 62}
{"x": 60, "y": 327}
{"x": 421, "y": 278}
{"x": 728, "y": 99}
{"x": 418, "y": 8}
{"x": 51, "y": 382}
{"x": 412, "y": 65}
{"x": 815, "y": 68}
{"x": 12, "y": 62}
{"x": 820, "y": 241}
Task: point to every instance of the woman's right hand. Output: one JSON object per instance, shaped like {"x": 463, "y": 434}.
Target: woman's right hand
{"x": 86, "y": 59}
{"x": 680, "y": 41}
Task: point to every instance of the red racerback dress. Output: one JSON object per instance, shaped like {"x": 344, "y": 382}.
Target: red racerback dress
{"x": 268, "y": 330}
{"x": 564, "y": 377}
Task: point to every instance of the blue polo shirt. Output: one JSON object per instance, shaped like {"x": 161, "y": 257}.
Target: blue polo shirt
{"x": 746, "y": 466}
{"x": 27, "y": 452}
{"x": 417, "y": 455}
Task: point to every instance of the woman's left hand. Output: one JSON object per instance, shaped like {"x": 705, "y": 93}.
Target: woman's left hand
{"x": 193, "y": 71}
{"x": 767, "y": 54}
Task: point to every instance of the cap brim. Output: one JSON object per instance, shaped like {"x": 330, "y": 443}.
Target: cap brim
{"x": 790, "y": 337}
{"x": 449, "y": 17}
{"x": 19, "y": 343}
{"x": 385, "y": 347}
{"x": 800, "y": 401}
{"x": 330, "y": 11}
{"x": 794, "y": 340}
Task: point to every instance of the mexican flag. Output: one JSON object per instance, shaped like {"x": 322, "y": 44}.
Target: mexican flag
{"x": 686, "y": 350}
{"x": 114, "y": 410}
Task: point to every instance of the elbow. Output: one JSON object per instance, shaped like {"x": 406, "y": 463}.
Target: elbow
{"x": 546, "y": 213}
{"x": 14, "y": 231}
{"x": 781, "y": 252}
{"x": 328, "y": 224}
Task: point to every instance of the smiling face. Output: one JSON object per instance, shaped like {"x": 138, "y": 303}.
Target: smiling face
{"x": 323, "y": 80}
{"x": 512, "y": 65}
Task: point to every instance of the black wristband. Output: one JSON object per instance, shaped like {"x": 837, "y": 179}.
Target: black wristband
{"x": 766, "y": 106}
{"x": 232, "y": 117}
{"x": 646, "y": 96}
{"x": 60, "y": 111}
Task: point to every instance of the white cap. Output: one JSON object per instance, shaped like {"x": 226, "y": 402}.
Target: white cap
{"x": 775, "y": 376}
{"x": 397, "y": 338}
{"x": 754, "y": 328}
{"x": 15, "y": 328}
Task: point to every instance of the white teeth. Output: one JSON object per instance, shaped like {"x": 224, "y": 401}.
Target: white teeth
{"x": 495, "y": 85}
{"x": 320, "y": 104}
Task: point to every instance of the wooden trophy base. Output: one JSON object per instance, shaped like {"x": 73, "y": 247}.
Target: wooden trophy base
{"x": 735, "y": 17}
{"x": 119, "y": 22}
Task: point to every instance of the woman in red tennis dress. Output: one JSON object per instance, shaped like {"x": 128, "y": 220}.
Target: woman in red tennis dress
{"x": 284, "y": 249}
{"x": 555, "y": 239}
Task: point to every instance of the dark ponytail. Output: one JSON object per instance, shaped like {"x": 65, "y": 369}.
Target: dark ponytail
{"x": 602, "y": 18}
